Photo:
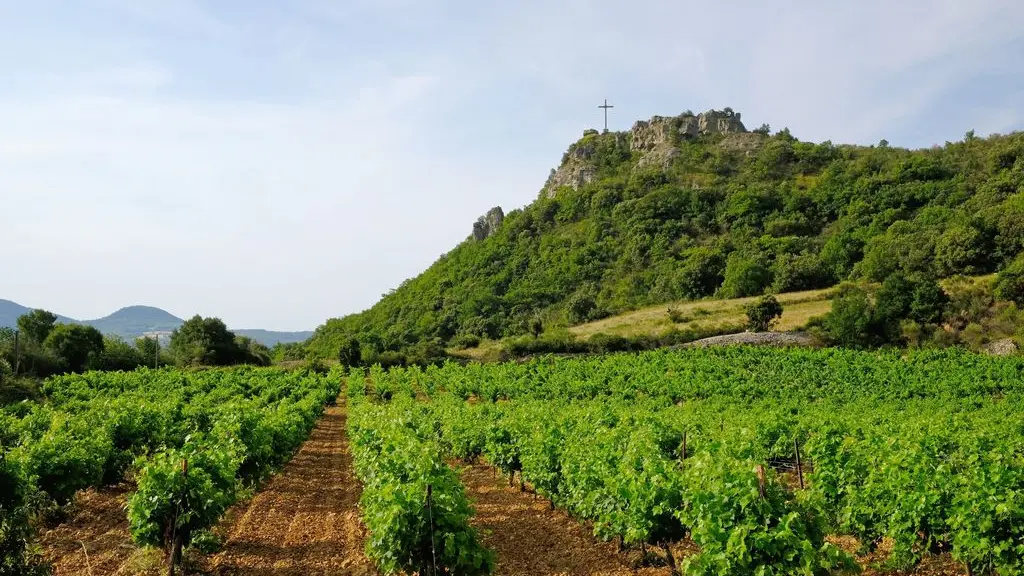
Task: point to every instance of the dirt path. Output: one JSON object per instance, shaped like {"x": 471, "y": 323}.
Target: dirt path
{"x": 305, "y": 520}
{"x": 529, "y": 538}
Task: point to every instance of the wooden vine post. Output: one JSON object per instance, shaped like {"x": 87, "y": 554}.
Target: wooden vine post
{"x": 761, "y": 481}
{"x": 178, "y": 536}
{"x": 799, "y": 467}
{"x": 429, "y": 505}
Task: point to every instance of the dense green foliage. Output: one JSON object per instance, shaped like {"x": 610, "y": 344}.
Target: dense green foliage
{"x": 789, "y": 215}
{"x": 232, "y": 426}
{"x": 923, "y": 448}
{"x": 398, "y": 461}
{"x": 1011, "y": 282}
{"x": 917, "y": 312}
{"x": 208, "y": 342}
{"x": 45, "y": 348}
{"x": 75, "y": 344}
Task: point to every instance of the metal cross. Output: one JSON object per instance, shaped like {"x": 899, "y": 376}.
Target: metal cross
{"x": 606, "y": 106}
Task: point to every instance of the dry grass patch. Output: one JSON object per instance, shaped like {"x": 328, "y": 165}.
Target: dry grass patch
{"x": 798, "y": 307}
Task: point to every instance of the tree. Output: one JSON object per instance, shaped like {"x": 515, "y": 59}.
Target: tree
{"x": 959, "y": 251}
{"x": 148, "y": 348}
{"x": 118, "y": 355}
{"x": 802, "y": 272}
{"x": 895, "y": 297}
{"x": 205, "y": 341}
{"x": 763, "y": 313}
{"x": 702, "y": 272}
{"x": 351, "y": 352}
{"x": 582, "y": 306}
{"x": 851, "y": 322}
{"x": 75, "y": 345}
{"x": 1010, "y": 282}
{"x": 6, "y": 372}
{"x": 840, "y": 253}
{"x": 902, "y": 298}
{"x": 929, "y": 302}
{"x": 745, "y": 276}
{"x": 252, "y": 352}
{"x": 37, "y": 324}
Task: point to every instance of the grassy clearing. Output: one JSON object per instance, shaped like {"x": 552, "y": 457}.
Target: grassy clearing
{"x": 798, "y": 308}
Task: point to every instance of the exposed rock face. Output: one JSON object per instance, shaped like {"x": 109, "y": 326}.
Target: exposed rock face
{"x": 661, "y": 131}
{"x": 655, "y": 140}
{"x": 577, "y": 169}
{"x": 1004, "y": 347}
{"x": 488, "y": 224}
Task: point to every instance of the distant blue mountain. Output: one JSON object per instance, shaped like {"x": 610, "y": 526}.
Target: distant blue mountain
{"x": 134, "y": 321}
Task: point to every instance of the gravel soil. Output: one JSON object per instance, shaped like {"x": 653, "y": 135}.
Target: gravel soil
{"x": 530, "y": 538}
{"x": 305, "y": 520}
{"x": 759, "y": 338}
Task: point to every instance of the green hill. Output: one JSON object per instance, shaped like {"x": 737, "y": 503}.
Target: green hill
{"x": 692, "y": 206}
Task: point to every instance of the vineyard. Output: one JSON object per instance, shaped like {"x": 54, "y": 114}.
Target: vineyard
{"x": 192, "y": 442}
{"x": 759, "y": 458}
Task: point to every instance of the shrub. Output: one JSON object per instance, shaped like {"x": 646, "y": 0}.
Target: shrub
{"x": 582, "y": 306}
{"x": 677, "y": 316}
{"x": 1010, "y": 282}
{"x": 763, "y": 313}
{"x": 350, "y": 353}
{"x": 16, "y": 529}
{"x": 605, "y": 343}
{"x": 467, "y": 341}
{"x": 851, "y": 322}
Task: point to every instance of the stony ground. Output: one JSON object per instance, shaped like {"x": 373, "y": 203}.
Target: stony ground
{"x": 530, "y": 538}
{"x": 758, "y": 338}
{"x": 306, "y": 519}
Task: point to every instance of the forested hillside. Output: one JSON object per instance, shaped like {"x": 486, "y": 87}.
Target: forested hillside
{"x": 729, "y": 214}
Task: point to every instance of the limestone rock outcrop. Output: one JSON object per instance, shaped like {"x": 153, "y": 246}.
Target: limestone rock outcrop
{"x": 660, "y": 130}
{"x": 653, "y": 142}
{"x": 488, "y": 224}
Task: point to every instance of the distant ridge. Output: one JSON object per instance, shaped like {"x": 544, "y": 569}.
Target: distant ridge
{"x": 132, "y": 322}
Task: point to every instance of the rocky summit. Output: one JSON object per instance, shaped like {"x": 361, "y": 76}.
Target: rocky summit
{"x": 654, "y": 140}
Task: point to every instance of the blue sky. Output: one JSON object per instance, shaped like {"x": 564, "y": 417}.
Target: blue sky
{"x": 279, "y": 163}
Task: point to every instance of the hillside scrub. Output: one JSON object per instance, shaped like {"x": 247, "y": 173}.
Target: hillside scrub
{"x": 711, "y": 220}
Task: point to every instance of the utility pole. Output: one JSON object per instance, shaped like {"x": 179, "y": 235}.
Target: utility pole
{"x": 606, "y": 106}
{"x": 17, "y": 351}
{"x": 156, "y": 355}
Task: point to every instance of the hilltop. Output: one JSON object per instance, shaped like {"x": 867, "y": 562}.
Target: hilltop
{"x": 132, "y": 322}
{"x": 694, "y": 206}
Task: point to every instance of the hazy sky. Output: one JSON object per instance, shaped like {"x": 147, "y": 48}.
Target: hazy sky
{"x": 278, "y": 163}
